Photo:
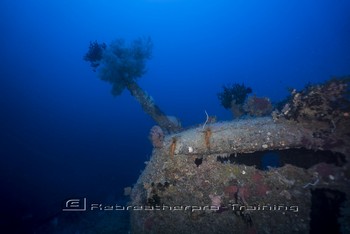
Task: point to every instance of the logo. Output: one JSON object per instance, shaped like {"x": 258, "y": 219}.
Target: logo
{"x": 75, "y": 205}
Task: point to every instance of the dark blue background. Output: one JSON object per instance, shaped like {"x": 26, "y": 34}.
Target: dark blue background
{"x": 62, "y": 132}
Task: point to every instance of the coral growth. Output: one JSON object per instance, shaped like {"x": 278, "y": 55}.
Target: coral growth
{"x": 119, "y": 63}
{"x": 258, "y": 106}
{"x": 122, "y": 63}
{"x": 94, "y": 55}
{"x": 327, "y": 102}
{"x": 156, "y": 136}
{"x": 324, "y": 109}
{"x": 233, "y": 97}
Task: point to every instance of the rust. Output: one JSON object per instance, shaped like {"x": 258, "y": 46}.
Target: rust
{"x": 207, "y": 135}
{"x": 172, "y": 147}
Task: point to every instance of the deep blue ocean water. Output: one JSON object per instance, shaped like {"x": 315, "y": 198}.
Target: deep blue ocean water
{"x": 62, "y": 133}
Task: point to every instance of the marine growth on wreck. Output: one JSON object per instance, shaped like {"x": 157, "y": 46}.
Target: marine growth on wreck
{"x": 254, "y": 175}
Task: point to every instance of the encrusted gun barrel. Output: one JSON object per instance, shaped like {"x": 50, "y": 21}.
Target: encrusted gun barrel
{"x": 240, "y": 136}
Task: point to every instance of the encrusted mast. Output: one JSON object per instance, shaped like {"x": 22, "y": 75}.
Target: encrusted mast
{"x": 121, "y": 65}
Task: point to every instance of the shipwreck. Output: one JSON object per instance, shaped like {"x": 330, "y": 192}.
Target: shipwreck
{"x": 284, "y": 173}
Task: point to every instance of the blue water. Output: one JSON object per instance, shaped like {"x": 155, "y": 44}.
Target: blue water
{"x": 270, "y": 160}
{"x": 62, "y": 132}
